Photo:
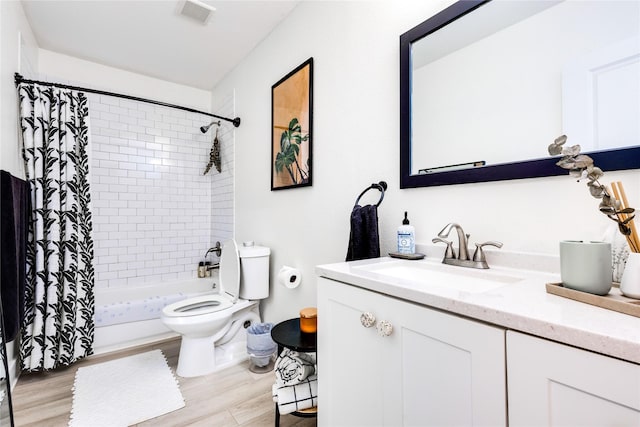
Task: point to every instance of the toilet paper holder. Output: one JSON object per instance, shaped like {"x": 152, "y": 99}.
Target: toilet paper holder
{"x": 289, "y": 277}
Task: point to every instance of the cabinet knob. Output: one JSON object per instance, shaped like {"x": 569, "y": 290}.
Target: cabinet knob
{"x": 385, "y": 328}
{"x": 367, "y": 319}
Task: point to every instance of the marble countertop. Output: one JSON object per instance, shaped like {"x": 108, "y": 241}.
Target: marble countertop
{"x": 522, "y": 306}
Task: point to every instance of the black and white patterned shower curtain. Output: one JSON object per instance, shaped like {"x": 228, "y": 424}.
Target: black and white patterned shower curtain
{"x": 59, "y": 300}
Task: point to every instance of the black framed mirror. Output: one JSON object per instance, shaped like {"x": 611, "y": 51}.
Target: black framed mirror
{"x": 427, "y": 104}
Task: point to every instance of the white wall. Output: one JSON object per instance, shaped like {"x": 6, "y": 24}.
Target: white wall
{"x": 355, "y": 46}
{"x": 19, "y": 54}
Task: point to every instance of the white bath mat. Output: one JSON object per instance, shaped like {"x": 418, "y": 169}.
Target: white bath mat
{"x": 124, "y": 391}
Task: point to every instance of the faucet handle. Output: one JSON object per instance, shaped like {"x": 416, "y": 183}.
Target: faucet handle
{"x": 478, "y": 255}
{"x": 449, "y": 252}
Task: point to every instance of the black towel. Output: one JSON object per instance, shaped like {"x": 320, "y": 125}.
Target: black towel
{"x": 364, "y": 241}
{"x": 14, "y": 215}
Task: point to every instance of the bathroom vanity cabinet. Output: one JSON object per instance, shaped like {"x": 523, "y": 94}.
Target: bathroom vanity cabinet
{"x": 432, "y": 368}
{"x": 513, "y": 355}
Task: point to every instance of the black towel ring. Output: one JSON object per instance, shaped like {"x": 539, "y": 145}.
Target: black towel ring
{"x": 378, "y": 186}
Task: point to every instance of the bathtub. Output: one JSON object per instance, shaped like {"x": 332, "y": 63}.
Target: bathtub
{"x": 126, "y": 317}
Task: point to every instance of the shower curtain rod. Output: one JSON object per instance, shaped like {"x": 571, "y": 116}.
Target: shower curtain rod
{"x": 19, "y": 79}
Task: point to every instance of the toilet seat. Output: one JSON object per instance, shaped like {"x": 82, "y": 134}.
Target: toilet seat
{"x": 230, "y": 270}
{"x": 209, "y": 304}
{"x": 197, "y": 306}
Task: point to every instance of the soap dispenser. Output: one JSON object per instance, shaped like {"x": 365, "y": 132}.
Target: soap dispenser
{"x": 406, "y": 237}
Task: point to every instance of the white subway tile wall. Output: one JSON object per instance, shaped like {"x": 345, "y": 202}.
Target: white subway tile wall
{"x": 154, "y": 212}
{"x": 222, "y": 191}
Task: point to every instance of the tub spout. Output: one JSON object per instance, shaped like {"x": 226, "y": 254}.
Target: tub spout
{"x": 217, "y": 249}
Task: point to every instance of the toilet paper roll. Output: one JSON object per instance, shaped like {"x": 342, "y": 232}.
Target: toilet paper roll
{"x": 289, "y": 277}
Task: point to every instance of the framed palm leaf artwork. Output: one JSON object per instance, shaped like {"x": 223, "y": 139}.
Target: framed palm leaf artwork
{"x": 291, "y": 128}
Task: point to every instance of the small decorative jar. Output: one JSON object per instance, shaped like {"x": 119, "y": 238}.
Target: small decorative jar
{"x": 308, "y": 320}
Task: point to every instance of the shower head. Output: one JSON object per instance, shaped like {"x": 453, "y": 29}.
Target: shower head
{"x": 204, "y": 129}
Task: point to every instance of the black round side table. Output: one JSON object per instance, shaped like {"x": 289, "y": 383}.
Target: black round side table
{"x": 288, "y": 334}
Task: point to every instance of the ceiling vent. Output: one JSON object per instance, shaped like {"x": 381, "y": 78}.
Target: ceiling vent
{"x": 197, "y": 10}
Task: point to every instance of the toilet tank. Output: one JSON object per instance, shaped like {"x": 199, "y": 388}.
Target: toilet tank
{"x": 254, "y": 271}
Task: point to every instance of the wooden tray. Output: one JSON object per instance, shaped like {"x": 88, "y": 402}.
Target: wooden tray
{"x": 614, "y": 300}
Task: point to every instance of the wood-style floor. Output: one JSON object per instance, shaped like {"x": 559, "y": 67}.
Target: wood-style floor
{"x": 232, "y": 397}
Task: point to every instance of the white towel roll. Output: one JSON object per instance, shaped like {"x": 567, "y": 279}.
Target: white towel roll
{"x": 292, "y": 367}
{"x": 297, "y": 397}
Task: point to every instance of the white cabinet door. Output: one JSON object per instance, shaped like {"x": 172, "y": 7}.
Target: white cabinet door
{"x": 552, "y": 384}
{"x": 434, "y": 369}
{"x": 352, "y": 360}
{"x": 452, "y": 369}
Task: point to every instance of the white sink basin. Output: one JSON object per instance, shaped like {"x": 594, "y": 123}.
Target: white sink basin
{"x": 444, "y": 276}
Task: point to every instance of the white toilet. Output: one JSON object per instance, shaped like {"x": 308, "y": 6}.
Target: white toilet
{"x": 207, "y": 322}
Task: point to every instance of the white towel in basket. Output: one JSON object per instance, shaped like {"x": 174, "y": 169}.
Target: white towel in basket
{"x": 293, "y": 367}
{"x": 303, "y": 395}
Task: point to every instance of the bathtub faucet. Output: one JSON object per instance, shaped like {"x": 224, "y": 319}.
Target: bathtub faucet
{"x": 217, "y": 249}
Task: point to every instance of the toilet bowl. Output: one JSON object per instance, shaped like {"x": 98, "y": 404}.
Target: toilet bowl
{"x": 200, "y": 316}
{"x": 207, "y": 322}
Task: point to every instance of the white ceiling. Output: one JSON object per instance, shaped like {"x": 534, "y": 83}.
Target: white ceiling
{"x": 150, "y": 37}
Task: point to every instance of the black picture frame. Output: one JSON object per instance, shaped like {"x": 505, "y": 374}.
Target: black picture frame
{"x": 292, "y": 129}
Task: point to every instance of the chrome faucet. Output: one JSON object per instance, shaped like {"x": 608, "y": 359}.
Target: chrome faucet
{"x": 477, "y": 261}
{"x": 463, "y": 250}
